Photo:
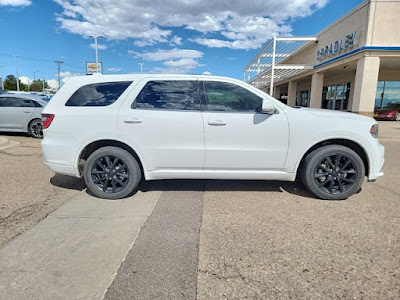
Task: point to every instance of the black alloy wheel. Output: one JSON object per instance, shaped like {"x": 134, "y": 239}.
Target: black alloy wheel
{"x": 333, "y": 172}
{"x": 111, "y": 173}
{"x": 36, "y": 129}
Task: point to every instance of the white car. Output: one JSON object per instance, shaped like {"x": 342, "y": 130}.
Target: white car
{"x": 114, "y": 130}
{"x": 21, "y": 113}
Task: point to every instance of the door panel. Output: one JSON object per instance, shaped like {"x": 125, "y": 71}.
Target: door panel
{"x": 165, "y": 124}
{"x": 17, "y": 113}
{"x": 237, "y": 136}
{"x": 246, "y": 141}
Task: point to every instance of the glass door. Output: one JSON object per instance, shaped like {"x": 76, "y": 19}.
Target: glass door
{"x": 336, "y": 97}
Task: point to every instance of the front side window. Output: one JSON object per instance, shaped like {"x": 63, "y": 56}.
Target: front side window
{"x": 228, "y": 97}
{"x": 15, "y": 102}
{"x": 99, "y": 94}
{"x": 169, "y": 95}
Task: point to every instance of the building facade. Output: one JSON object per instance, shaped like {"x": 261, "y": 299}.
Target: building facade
{"x": 352, "y": 65}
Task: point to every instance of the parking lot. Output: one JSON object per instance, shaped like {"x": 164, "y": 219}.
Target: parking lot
{"x": 195, "y": 239}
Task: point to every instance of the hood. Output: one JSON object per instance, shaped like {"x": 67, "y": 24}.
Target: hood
{"x": 328, "y": 113}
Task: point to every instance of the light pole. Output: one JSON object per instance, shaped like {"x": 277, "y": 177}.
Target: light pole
{"x": 59, "y": 62}
{"x": 96, "y": 49}
{"x": 141, "y": 67}
{"x": 16, "y": 70}
{"x": 2, "y": 78}
{"x": 43, "y": 82}
{"x": 34, "y": 73}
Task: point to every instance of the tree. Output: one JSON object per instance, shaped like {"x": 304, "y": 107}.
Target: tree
{"x": 10, "y": 84}
{"x": 37, "y": 85}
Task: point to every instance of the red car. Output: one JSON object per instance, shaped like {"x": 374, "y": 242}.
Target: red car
{"x": 390, "y": 112}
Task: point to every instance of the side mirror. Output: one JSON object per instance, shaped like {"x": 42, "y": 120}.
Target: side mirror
{"x": 268, "y": 107}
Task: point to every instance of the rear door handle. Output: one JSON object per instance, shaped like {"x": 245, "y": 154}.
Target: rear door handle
{"x": 133, "y": 121}
{"x": 27, "y": 112}
{"x": 217, "y": 123}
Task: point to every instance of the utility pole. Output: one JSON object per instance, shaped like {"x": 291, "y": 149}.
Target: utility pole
{"x": 59, "y": 62}
{"x": 96, "y": 49}
{"x": 34, "y": 73}
{"x": 43, "y": 82}
{"x": 141, "y": 67}
{"x": 16, "y": 70}
{"x": 2, "y": 78}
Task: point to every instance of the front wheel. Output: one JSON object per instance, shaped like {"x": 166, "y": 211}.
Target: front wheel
{"x": 333, "y": 172}
{"x": 35, "y": 128}
{"x": 111, "y": 173}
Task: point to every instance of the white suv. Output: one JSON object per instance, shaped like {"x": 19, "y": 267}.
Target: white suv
{"x": 115, "y": 130}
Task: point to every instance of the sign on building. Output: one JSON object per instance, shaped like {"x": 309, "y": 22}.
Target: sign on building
{"x": 91, "y": 68}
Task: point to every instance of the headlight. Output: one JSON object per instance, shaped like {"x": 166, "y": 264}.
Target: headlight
{"x": 374, "y": 131}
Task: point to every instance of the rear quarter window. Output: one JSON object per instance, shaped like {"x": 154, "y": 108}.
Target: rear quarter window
{"x": 98, "y": 94}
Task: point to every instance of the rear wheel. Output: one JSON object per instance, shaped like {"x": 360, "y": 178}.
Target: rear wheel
{"x": 35, "y": 128}
{"x": 333, "y": 172}
{"x": 111, "y": 173}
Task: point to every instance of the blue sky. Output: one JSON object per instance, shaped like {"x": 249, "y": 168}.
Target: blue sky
{"x": 171, "y": 36}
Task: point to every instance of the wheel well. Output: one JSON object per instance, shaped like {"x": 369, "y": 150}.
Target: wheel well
{"x": 347, "y": 143}
{"x": 89, "y": 149}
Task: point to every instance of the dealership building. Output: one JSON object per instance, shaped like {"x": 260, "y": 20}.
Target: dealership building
{"x": 352, "y": 65}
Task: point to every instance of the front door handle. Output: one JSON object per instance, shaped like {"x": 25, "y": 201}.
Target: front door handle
{"x": 133, "y": 121}
{"x": 217, "y": 123}
{"x": 27, "y": 112}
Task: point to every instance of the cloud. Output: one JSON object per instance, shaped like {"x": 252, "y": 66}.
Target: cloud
{"x": 99, "y": 46}
{"x": 53, "y": 83}
{"x": 67, "y": 74}
{"x": 15, "y": 2}
{"x": 176, "y": 40}
{"x": 114, "y": 69}
{"x": 223, "y": 23}
{"x": 176, "y": 60}
{"x": 160, "y": 55}
{"x": 207, "y": 73}
{"x": 25, "y": 80}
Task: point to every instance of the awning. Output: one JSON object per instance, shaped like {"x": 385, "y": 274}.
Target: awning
{"x": 268, "y": 67}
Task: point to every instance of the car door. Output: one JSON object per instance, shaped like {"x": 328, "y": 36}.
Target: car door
{"x": 16, "y": 112}
{"x": 238, "y": 136}
{"x": 162, "y": 120}
{"x": 2, "y": 104}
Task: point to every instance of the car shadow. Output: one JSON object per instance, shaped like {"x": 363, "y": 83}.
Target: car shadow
{"x": 68, "y": 182}
{"x": 294, "y": 188}
{"x": 11, "y": 134}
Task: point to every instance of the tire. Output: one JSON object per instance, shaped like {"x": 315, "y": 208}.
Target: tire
{"x": 111, "y": 173}
{"x": 333, "y": 172}
{"x": 35, "y": 128}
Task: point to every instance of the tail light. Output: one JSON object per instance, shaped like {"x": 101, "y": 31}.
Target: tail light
{"x": 374, "y": 130}
{"x": 46, "y": 120}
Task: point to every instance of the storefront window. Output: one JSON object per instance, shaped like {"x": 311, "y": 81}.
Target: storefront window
{"x": 303, "y": 98}
{"x": 387, "y": 93}
{"x": 336, "y": 96}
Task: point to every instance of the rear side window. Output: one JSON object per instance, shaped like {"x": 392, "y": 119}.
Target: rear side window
{"x": 169, "y": 95}
{"x": 15, "y": 102}
{"x": 98, "y": 94}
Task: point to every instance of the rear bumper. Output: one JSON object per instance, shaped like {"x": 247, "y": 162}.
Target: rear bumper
{"x": 61, "y": 169}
